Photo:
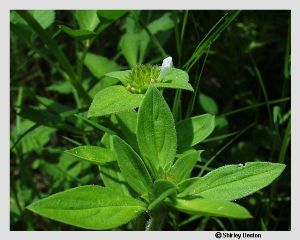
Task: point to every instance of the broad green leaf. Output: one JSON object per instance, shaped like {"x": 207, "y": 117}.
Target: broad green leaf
{"x": 99, "y": 65}
{"x": 93, "y": 154}
{"x": 110, "y": 15}
{"x": 162, "y": 189}
{"x": 132, "y": 167}
{"x": 184, "y": 165}
{"x": 156, "y": 133}
{"x": 107, "y": 17}
{"x": 209, "y": 207}
{"x": 129, "y": 43}
{"x": 194, "y": 130}
{"x": 87, "y": 19}
{"x": 44, "y": 17}
{"x": 122, "y": 76}
{"x": 90, "y": 207}
{"x": 208, "y": 104}
{"x": 81, "y": 34}
{"x": 113, "y": 100}
{"x": 34, "y": 140}
{"x": 62, "y": 87}
{"x": 162, "y": 24}
{"x": 103, "y": 83}
{"x": 177, "y": 79}
{"x": 134, "y": 43}
{"x": 235, "y": 181}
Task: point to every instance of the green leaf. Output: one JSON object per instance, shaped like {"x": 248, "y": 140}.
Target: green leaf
{"x": 122, "y": 76}
{"x": 110, "y": 173}
{"x": 44, "y": 17}
{"x": 208, "y": 104}
{"x": 113, "y": 178}
{"x": 40, "y": 116}
{"x": 90, "y": 207}
{"x": 162, "y": 24}
{"x": 35, "y": 139}
{"x": 177, "y": 79}
{"x": 194, "y": 130}
{"x": 132, "y": 167}
{"x": 129, "y": 46}
{"x": 209, "y": 207}
{"x": 81, "y": 34}
{"x": 162, "y": 189}
{"x": 93, "y": 154}
{"x": 52, "y": 105}
{"x": 184, "y": 165}
{"x": 99, "y": 65}
{"x": 113, "y": 100}
{"x": 235, "y": 181}
{"x": 110, "y": 15}
{"x": 212, "y": 35}
{"x": 156, "y": 133}
{"x": 87, "y": 19}
{"x": 100, "y": 85}
{"x": 62, "y": 87}
{"x": 128, "y": 122}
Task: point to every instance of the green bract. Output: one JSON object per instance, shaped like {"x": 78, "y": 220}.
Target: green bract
{"x": 142, "y": 172}
{"x": 136, "y": 82}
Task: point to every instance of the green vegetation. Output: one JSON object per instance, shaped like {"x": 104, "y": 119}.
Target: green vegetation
{"x": 108, "y": 132}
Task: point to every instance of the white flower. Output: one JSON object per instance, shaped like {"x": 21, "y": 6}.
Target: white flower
{"x": 166, "y": 66}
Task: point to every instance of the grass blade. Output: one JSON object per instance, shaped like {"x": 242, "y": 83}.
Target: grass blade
{"x": 210, "y": 37}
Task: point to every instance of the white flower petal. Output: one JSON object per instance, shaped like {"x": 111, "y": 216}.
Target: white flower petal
{"x": 165, "y": 67}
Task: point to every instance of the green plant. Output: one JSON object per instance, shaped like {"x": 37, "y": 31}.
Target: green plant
{"x": 238, "y": 65}
{"x": 147, "y": 174}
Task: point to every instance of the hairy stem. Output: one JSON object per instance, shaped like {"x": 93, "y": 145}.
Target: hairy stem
{"x": 157, "y": 218}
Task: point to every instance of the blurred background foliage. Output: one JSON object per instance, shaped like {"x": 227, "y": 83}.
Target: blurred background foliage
{"x": 238, "y": 64}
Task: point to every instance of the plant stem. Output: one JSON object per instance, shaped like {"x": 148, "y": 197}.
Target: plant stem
{"x": 157, "y": 218}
